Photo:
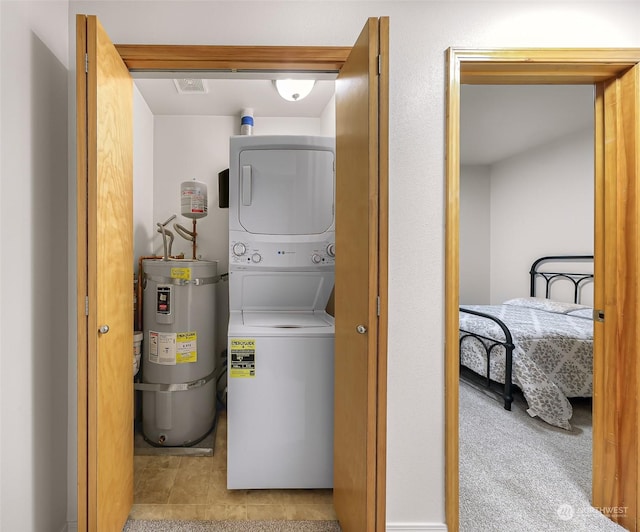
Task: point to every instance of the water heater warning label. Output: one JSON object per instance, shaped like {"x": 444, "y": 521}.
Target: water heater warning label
{"x": 181, "y": 273}
{"x": 243, "y": 358}
{"x": 186, "y": 347}
{"x": 170, "y": 349}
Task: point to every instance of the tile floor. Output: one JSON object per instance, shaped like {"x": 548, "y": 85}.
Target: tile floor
{"x": 194, "y": 487}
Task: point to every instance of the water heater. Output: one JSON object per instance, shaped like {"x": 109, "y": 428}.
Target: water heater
{"x": 179, "y": 362}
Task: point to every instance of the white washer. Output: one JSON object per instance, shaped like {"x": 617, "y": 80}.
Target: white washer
{"x": 280, "y": 345}
{"x": 280, "y": 400}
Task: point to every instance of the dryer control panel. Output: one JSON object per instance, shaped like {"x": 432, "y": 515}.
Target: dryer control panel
{"x": 279, "y": 255}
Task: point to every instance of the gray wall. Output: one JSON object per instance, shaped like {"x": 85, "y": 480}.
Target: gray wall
{"x": 475, "y": 234}
{"x": 534, "y": 203}
{"x": 541, "y": 204}
{"x": 35, "y": 290}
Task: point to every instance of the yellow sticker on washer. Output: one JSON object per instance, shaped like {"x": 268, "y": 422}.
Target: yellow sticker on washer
{"x": 242, "y": 363}
{"x": 186, "y": 347}
{"x": 181, "y": 273}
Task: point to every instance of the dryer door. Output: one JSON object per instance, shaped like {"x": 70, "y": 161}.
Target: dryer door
{"x": 286, "y": 191}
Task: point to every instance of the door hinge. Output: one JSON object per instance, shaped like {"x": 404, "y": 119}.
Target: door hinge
{"x": 378, "y": 305}
{"x": 86, "y": 63}
{"x": 86, "y": 305}
{"x": 379, "y": 64}
{"x": 598, "y": 315}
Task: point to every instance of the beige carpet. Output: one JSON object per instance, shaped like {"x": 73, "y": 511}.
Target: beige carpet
{"x": 517, "y": 473}
{"x": 231, "y": 526}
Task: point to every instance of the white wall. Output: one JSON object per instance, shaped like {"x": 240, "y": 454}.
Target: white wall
{"x": 542, "y": 203}
{"x": 475, "y": 229}
{"x": 328, "y": 119}
{"x": 143, "y": 182}
{"x": 420, "y": 34}
{"x": 34, "y": 176}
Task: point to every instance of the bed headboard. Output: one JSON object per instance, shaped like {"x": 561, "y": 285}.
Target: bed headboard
{"x": 577, "y": 278}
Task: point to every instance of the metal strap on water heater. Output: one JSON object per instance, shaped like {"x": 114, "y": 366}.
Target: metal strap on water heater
{"x": 181, "y": 282}
{"x": 181, "y": 387}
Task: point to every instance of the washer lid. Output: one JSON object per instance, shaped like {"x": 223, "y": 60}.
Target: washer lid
{"x": 287, "y": 320}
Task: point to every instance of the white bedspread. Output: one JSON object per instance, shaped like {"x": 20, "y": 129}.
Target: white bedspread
{"x": 553, "y": 355}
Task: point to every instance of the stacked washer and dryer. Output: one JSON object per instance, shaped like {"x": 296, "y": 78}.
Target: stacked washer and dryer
{"x": 281, "y": 339}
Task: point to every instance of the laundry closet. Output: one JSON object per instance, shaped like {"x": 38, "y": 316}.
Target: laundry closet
{"x": 171, "y": 150}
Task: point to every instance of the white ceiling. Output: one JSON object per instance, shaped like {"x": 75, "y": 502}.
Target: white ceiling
{"x": 228, "y": 97}
{"x": 496, "y": 121}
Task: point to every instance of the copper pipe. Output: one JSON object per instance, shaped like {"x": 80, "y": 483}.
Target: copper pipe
{"x": 194, "y": 239}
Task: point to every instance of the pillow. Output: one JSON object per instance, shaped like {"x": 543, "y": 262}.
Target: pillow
{"x": 549, "y": 305}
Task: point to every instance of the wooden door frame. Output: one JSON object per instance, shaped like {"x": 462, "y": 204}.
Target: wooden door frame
{"x": 613, "y": 430}
{"x": 82, "y": 257}
{"x": 308, "y": 59}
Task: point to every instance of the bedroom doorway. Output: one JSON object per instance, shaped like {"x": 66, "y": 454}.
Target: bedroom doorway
{"x": 526, "y": 191}
{"x": 616, "y": 77}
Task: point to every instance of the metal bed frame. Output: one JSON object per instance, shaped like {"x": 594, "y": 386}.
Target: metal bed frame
{"x": 489, "y": 344}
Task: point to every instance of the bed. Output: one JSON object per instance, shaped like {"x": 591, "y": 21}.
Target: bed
{"x": 541, "y": 345}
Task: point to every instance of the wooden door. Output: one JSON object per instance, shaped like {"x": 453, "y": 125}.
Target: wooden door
{"x": 105, "y": 280}
{"x": 360, "y": 344}
{"x": 616, "y": 370}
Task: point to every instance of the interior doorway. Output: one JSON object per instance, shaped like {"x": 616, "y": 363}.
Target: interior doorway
{"x": 526, "y": 191}
{"x": 359, "y": 488}
{"x": 615, "y": 76}
{"x": 191, "y": 133}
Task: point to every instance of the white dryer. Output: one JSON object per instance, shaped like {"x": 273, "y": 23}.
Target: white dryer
{"x": 280, "y": 343}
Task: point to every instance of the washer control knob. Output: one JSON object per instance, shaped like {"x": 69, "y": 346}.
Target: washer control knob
{"x": 239, "y": 249}
{"x": 316, "y": 259}
{"x": 331, "y": 250}
{"x": 256, "y": 257}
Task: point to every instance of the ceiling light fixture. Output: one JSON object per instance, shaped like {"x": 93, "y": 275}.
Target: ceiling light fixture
{"x": 294, "y": 90}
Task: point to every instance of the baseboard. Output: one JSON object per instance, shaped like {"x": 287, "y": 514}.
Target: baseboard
{"x": 416, "y": 527}
{"x": 70, "y": 527}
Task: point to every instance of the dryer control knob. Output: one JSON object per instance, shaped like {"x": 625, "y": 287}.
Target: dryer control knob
{"x": 239, "y": 249}
{"x": 316, "y": 259}
{"x": 256, "y": 257}
{"x": 331, "y": 250}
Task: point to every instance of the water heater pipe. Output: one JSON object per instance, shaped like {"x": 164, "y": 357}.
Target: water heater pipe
{"x": 188, "y": 235}
{"x": 166, "y": 233}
